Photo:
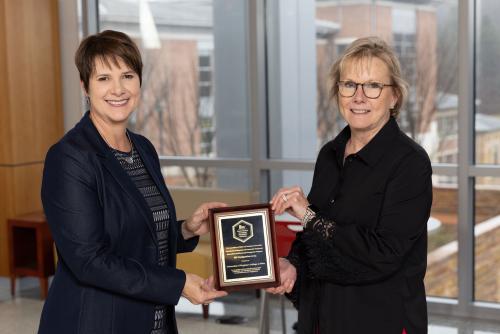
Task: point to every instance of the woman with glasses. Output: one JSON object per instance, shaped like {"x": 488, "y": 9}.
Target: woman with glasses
{"x": 359, "y": 264}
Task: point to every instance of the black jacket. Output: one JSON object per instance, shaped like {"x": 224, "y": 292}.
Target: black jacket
{"x": 107, "y": 279}
{"x": 368, "y": 276}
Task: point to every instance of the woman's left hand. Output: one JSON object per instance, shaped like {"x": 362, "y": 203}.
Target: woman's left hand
{"x": 291, "y": 200}
{"x": 197, "y": 224}
{"x": 288, "y": 276}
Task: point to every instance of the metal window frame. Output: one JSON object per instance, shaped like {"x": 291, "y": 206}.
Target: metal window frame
{"x": 259, "y": 166}
{"x": 465, "y": 305}
{"x": 90, "y": 17}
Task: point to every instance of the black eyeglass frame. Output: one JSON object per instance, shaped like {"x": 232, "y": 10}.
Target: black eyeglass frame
{"x": 381, "y": 87}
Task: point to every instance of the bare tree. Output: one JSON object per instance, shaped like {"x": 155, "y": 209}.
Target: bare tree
{"x": 325, "y": 114}
{"x": 169, "y": 110}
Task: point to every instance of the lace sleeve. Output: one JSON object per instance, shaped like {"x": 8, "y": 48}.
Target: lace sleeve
{"x": 322, "y": 226}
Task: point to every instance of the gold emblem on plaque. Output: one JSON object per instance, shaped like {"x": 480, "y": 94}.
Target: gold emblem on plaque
{"x": 242, "y": 231}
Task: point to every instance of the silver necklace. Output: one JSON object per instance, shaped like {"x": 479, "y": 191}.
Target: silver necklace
{"x": 128, "y": 158}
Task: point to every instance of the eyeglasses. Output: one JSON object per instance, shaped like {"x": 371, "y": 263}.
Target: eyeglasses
{"x": 372, "y": 90}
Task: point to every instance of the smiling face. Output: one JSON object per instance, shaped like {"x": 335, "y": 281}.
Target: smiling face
{"x": 366, "y": 116}
{"x": 114, "y": 91}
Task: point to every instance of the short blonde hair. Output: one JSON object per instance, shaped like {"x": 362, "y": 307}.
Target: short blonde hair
{"x": 366, "y": 48}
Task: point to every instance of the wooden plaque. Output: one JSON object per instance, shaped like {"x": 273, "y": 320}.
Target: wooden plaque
{"x": 244, "y": 247}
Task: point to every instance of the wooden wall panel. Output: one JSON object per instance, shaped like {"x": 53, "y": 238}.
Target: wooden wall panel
{"x": 33, "y": 77}
{"x": 5, "y": 150}
{"x": 50, "y": 127}
{"x": 27, "y": 185}
{"x": 30, "y": 107}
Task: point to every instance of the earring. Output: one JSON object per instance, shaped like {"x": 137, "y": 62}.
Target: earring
{"x": 87, "y": 100}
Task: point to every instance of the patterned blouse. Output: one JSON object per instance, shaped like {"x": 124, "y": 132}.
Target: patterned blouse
{"x": 134, "y": 166}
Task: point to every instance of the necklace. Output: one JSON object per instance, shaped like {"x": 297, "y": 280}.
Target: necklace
{"x": 127, "y": 157}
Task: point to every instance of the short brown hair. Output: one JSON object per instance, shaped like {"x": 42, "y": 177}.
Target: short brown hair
{"x": 108, "y": 45}
{"x": 368, "y": 47}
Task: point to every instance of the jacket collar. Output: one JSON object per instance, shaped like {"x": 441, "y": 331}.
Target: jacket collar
{"x": 104, "y": 153}
{"x": 372, "y": 152}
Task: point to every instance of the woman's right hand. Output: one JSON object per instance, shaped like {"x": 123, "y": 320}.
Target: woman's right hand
{"x": 288, "y": 276}
{"x": 291, "y": 200}
{"x": 200, "y": 291}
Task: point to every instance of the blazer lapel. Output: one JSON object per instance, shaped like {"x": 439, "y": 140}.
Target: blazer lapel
{"x": 115, "y": 169}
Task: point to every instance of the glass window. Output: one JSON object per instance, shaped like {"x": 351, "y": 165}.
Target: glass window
{"x": 487, "y": 239}
{"x": 438, "y": 329}
{"x": 206, "y": 177}
{"x": 413, "y": 29}
{"x": 487, "y": 118}
{"x": 194, "y": 100}
{"x": 441, "y": 276}
{"x": 288, "y": 178}
{"x": 80, "y": 21}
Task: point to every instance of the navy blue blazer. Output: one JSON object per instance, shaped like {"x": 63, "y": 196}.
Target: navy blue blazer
{"x": 107, "y": 279}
